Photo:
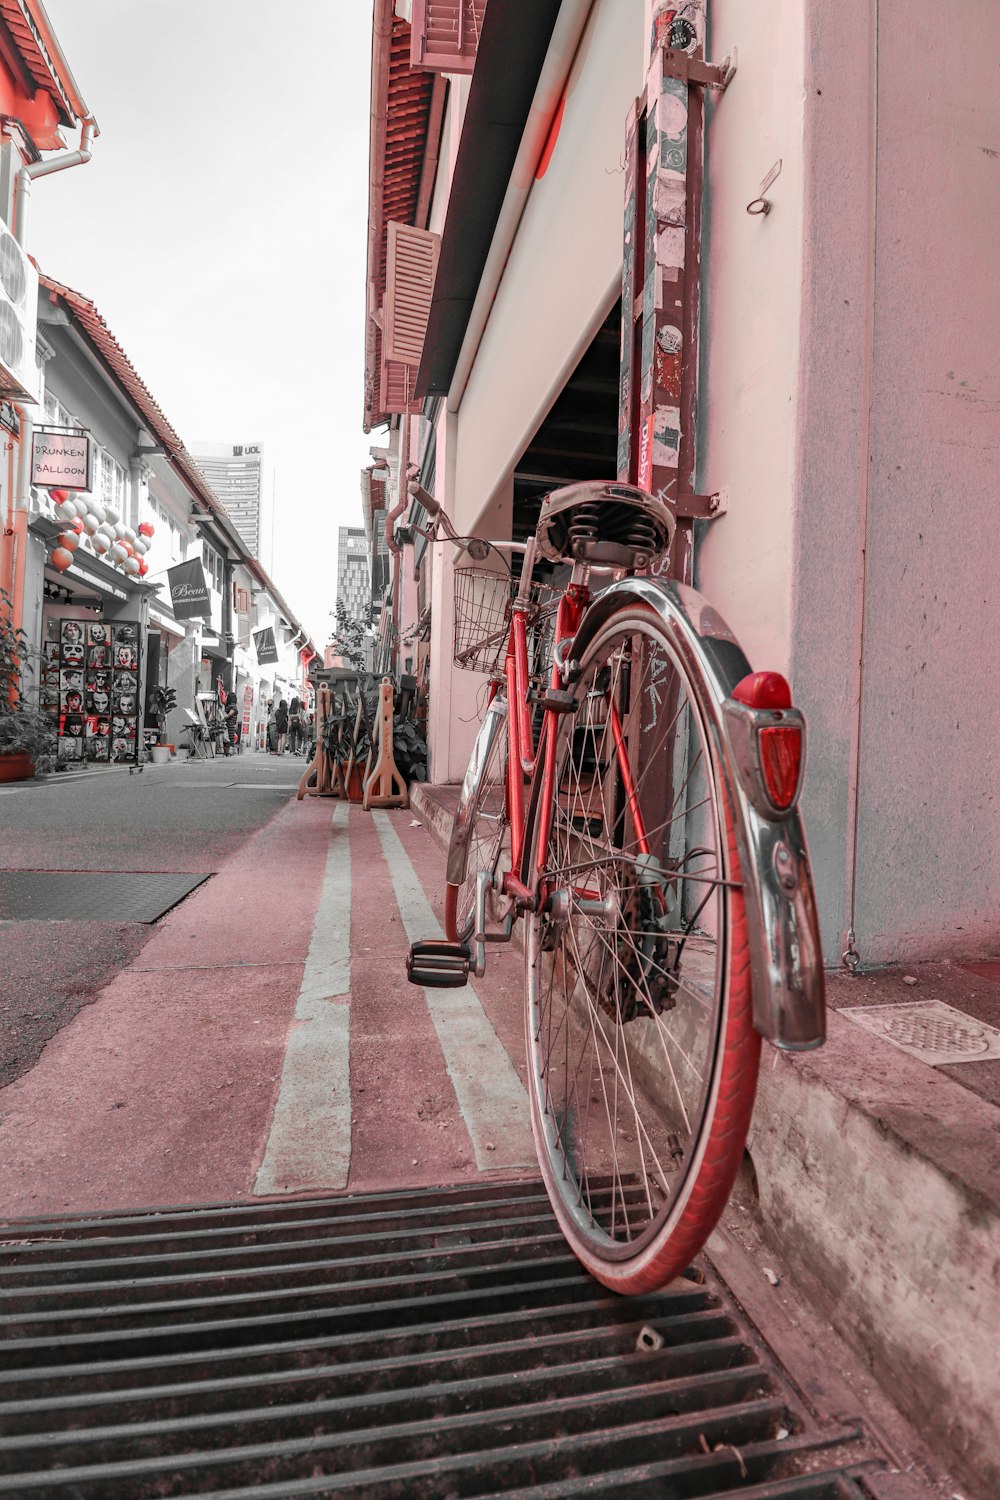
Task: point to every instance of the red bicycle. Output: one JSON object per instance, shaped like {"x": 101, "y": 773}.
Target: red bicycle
{"x": 632, "y": 796}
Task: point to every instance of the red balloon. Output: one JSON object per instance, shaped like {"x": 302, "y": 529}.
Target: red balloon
{"x": 60, "y": 495}
{"x": 61, "y": 559}
{"x": 75, "y": 525}
{"x": 128, "y": 547}
{"x": 143, "y": 567}
{"x": 69, "y": 540}
{"x": 146, "y": 528}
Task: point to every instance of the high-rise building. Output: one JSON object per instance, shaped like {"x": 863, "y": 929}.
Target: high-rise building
{"x": 353, "y": 578}
{"x": 236, "y": 473}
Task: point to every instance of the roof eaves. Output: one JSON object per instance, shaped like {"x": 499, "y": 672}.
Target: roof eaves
{"x": 43, "y": 57}
{"x": 116, "y": 361}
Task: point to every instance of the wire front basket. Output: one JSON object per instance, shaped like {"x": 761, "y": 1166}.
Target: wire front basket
{"x": 482, "y": 616}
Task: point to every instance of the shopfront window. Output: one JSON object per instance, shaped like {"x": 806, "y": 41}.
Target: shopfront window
{"x": 214, "y": 570}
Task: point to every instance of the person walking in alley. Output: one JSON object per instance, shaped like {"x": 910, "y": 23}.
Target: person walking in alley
{"x": 232, "y": 723}
{"x": 295, "y": 726}
{"x": 281, "y": 723}
{"x": 272, "y": 728}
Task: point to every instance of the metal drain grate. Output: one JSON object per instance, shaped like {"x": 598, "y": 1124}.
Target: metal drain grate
{"x": 422, "y": 1344}
{"x": 929, "y": 1030}
{"x": 91, "y": 896}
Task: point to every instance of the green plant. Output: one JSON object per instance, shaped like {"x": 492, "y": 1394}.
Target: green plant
{"x": 23, "y": 730}
{"x": 352, "y": 636}
{"x": 409, "y": 750}
{"x": 163, "y": 701}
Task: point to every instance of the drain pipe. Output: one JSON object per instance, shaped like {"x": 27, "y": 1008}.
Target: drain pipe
{"x": 19, "y": 529}
{"x": 573, "y": 17}
{"x": 22, "y": 186}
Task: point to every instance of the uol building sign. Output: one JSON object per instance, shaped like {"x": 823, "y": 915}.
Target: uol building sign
{"x": 62, "y": 460}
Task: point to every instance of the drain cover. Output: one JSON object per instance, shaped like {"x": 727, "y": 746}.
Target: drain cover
{"x": 91, "y": 896}
{"x": 929, "y": 1030}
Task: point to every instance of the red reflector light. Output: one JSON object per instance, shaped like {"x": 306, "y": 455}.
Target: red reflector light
{"x": 781, "y": 760}
{"x": 763, "y": 690}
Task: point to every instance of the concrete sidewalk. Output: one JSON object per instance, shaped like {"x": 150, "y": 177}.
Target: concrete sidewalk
{"x": 877, "y": 1180}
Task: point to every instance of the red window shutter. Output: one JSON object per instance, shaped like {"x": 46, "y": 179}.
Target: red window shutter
{"x": 444, "y": 34}
{"x": 411, "y": 261}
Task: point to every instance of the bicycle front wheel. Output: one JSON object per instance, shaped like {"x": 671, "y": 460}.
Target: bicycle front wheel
{"x": 642, "y": 1058}
{"x": 480, "y": 836}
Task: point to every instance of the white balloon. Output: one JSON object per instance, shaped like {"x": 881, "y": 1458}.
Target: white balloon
{"x": 118, "y": 552}
{"x": 97, "y": 509}
{"x": 112, "y": 514}
{"x": 120, "y": 530}
{"x": 100, "y": 543}
{"x": 140, "y": 546}
{"x": 106, "y": 529}
{"x": 90, "y": 524}
{"x": 66, "y": 510}
{"x": 131, "y": 566}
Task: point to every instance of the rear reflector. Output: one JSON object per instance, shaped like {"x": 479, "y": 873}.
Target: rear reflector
{"x": 763, "y": 690}
{"x": 781, "y": 762}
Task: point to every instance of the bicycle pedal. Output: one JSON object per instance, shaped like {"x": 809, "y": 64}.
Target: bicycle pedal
{"x": 438, "y": 965}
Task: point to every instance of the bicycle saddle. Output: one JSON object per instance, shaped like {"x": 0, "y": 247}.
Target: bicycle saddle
{"x": 604, "y": 522}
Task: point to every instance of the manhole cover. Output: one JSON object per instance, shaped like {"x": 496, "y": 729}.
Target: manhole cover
{"x": 91, "y": 896}
{"x": 929, "y": 1030}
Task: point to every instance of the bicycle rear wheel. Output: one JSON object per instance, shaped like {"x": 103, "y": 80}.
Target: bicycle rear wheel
{"x": 480, "y": 836}
{"x": 642, "y": 1058}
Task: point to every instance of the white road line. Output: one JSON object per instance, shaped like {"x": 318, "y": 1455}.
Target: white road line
{"x": 490, "y": 1095}
{"x": 309, "y": 1145}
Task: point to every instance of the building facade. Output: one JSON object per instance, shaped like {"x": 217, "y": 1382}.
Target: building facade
{"x": 354, "y": 590}
{"x": 238, "y": 475}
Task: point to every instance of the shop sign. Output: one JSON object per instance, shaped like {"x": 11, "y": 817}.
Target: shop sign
{"x": 62, "y": 460}
{"x": 264, "y": 642}
{"x": 188, "y": 590}
{"x": 247, "y": 707}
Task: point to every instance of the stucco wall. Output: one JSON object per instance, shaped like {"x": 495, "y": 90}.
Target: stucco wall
{"x": 928, "y": 864}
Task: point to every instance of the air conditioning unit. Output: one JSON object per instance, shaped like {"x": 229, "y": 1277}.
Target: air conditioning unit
{"x": 19, "y": 376}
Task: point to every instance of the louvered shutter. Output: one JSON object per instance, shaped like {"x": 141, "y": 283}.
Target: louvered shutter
{"x": 411, "y": 261}
{"x": 444, "y": 34}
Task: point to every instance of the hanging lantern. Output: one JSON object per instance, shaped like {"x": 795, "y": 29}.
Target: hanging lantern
{"x": 69, "y": 540}
{"x": 61, "y": 559}
{"x": 146, "y": 528}
{"x": 143, "y": 567}
{"x": 100, "y": 543}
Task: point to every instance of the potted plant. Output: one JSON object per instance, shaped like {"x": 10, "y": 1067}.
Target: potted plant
{"x": 163, "y": 701}
{"x": 27, "y": 738}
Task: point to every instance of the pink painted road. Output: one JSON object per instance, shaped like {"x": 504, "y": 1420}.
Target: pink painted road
{"x": 265, "y": 1041}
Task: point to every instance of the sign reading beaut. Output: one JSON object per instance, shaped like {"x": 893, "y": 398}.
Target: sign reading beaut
{"x": 189, "y": 591}
{"x": 264, "y": 642}
{"x": 61, "y": 460}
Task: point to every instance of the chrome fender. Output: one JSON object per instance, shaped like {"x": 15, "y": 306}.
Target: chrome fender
{"x": 494, "y": 723}
{"x": 786, "y": 957}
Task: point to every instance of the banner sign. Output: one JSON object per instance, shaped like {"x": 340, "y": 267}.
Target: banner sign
{"x": 247, "y": 707}
{"x": 189, "y": 591}
{"x": 61, "y": 460}
{"x": 263, "y": 640}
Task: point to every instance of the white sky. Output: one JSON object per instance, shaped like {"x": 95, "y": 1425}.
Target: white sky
{"x": 220, "y": 229}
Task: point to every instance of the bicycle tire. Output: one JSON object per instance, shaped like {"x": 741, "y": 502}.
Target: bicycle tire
{"x": 480, "y": 830}
{"x": 595, "y": 1013}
